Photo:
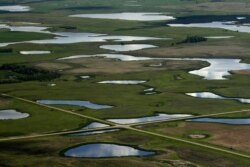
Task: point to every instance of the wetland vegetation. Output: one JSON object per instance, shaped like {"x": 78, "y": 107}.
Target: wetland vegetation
{"x": 142, "y": 83}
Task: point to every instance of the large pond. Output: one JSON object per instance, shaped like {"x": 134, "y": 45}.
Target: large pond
{"x": 15, "y": 8}
{"x": 72, "y": 37}
{"x": 122, "y": 82}
{"x": 12, "y": 114}
{"x": 233, "y": 121}
{"x": 210, "y": 95}
{"x": 127, "y": 16}
{"x": 232, "y": 26}
{"x": 80, "y": 103}
{"x": 101, "y": 150}
{"x": 218, "y": 69}
{"x": 127, "y": 47}
{"x": 157, "y": 117}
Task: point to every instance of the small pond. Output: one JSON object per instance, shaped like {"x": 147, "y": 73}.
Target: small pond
{"x": 80, "y": 103}
{"x": 12, "y": 115}
{"x": 127, "y": 16}
{"x": 157, "y": 117}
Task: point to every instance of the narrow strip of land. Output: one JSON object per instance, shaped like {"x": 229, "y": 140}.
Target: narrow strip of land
{"x": 128, "y": 127}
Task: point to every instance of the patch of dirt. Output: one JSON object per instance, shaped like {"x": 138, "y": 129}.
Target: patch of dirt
{"x": 234, "y": 137}
{"x": 243, "y": 72}
{"x": 102, "y": 65}
{"x": 192, "y": 50}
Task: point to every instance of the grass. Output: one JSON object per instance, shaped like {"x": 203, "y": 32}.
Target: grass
{"x": 41, "y": 120}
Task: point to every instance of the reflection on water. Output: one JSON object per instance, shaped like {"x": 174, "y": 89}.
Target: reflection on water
{"x": 15, "y": 8}
{"x": 232, "y": 26}
{"x": 70, "y": 38}
{"x": 12, "y": 114}
{"x": 122, "y": 82}
{"x": 219, "y": 37}
{"x": 210, "y": 95}
{"x": 95, "y": 125}
{"x": 127, "y": 16}
{"x": 36, "y": 52}
{"x": 100, "y": 150}
{"x": 127, "y": 47}
{"x": 37, "y": 29}
{"x": 233, "y": 121}
{"x": 121, "y": 57}
{"x": 93, "y": 132}
{"x": 80, "y": 103}
{"x": 156, "y": 117}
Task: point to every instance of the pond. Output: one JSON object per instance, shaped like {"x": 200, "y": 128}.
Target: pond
{"x": 72, "y": 37}
{"x": 105, "y": 150}
{"x": 127, "y": 47}
{"x": 210, "y": 95}
{"x": 93, "y": 132}
{"x": 36, "y": 29}
{"x": 123, "y": 82}
{"x": 157, "y": 117}
{"x": 12, "y": 115}
{"x": 121, "y": 57}
{"x": 80, "y": 103}
{"x": 127, "y": 16}
{"x": 232, "y": 26}
{"x": 15, "y": 8}
{"x": 95, "y": 125}
{"x": 35, "y": 52}
{"x": 232, "y": 121}
{"x": 218, "y": 69}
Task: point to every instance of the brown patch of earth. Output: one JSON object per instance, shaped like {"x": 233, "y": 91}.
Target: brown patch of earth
{"x": 102, "y": 65}
{"x": 243, "y": 72}
{"x": 194, "y": 50}
{"x": 234, "y": 137}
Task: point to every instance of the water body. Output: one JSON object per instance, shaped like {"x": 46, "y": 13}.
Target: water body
{"x": 80, "y": 103}
{"x": 123, "y": 82}
{"x": 12, "y": 115}
{"x": 36, "y": 29}
{"x": 127, "y": 47}
{"x": 35, "y": 52}
{"x": 85, "y": 76}
{"x": 232, "y": 121}
{"x": 101, "y": 150}
{"x": 72, "y": 37}
{"x": 157, "y": 117}
{"x": 232, "y": 26}
{"x": 219, "y": 37}
{"x": 217, "y": 70}
{"x": 121, "y": 57}
{"x": 95, "y": 125}
{"x": 15, "y": 8}
{"x": 210, "y": 95}
{"x": 127, "y": 16}
{"x": 93, "y": 132}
